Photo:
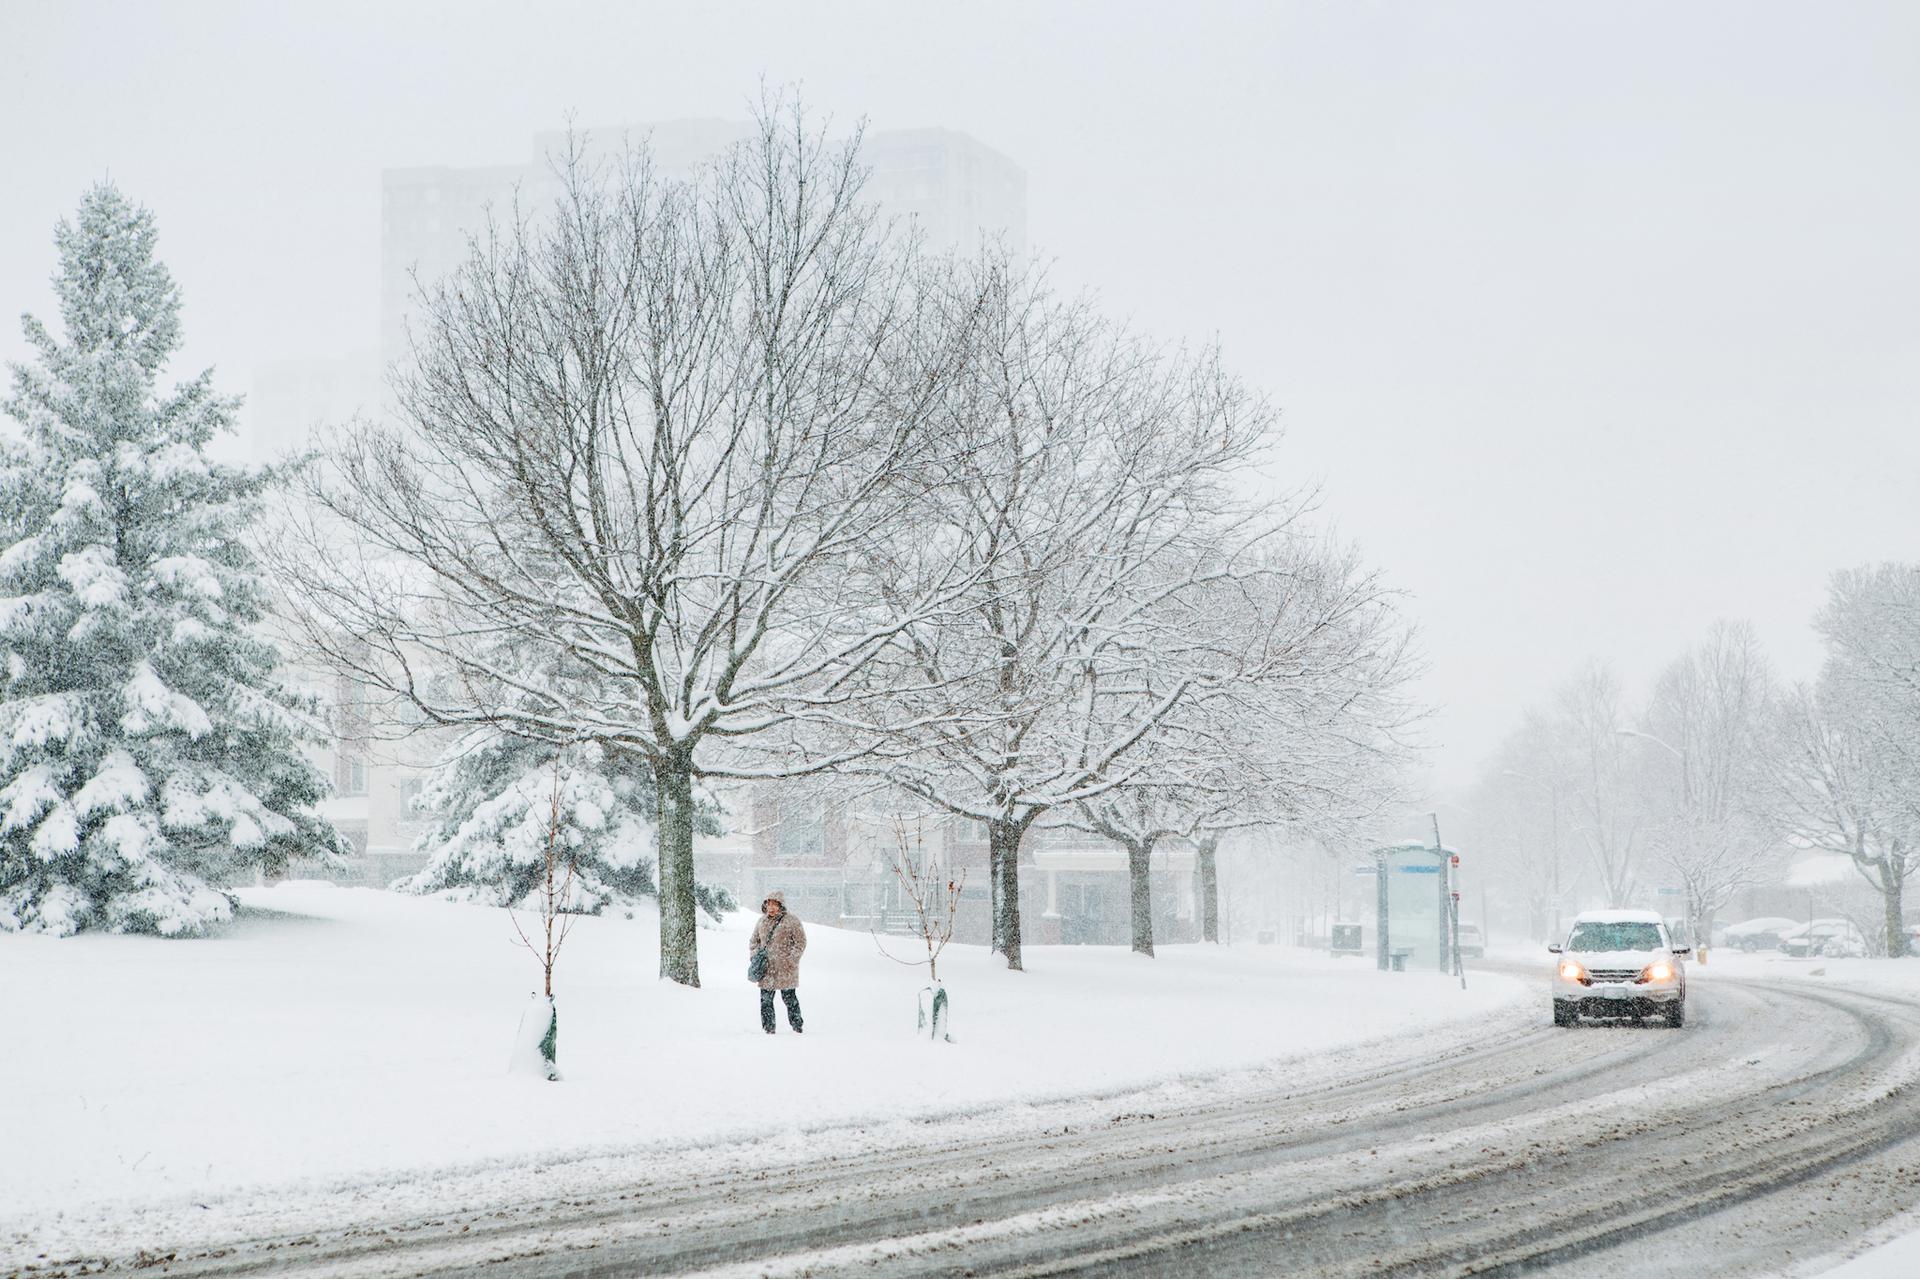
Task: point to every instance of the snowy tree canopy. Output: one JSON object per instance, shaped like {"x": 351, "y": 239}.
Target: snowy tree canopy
{"x": 495, "y": 800}
{"x": 1850, "y": 777}
{"x": 147, "y": 749}
{"x": 650, "y": 435}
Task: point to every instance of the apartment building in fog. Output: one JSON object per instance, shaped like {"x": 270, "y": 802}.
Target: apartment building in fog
{"x": 954, "y": 188}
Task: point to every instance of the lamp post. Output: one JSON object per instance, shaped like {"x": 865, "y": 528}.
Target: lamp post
{"x": 1686, "y": 802}
{"x": 1661, "y": 742}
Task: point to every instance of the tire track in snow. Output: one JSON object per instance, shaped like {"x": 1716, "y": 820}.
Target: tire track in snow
{"x": 1470, "y": 1146}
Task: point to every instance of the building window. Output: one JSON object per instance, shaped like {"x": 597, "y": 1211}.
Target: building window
{"x": 353, "y": 775}
{"x": 801, "y": 834}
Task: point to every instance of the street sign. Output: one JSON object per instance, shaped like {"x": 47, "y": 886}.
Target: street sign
{"x": 1671, "y": 892}
{"x": 1417, "y": 869}
{"x": 1366, "y": 870}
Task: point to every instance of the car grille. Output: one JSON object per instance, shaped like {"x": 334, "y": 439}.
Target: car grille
{"x": 1613, "y": 974}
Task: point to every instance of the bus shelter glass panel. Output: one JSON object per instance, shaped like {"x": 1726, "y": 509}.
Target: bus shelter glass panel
{"x": 1415, "y": 887}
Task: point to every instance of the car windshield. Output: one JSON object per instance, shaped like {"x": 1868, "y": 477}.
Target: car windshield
{"x": 1616, "y": 936}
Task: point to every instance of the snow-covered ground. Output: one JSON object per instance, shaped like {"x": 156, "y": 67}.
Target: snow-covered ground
{"x": 1898, "y": 974}
{"x": 1898, "y": 1259}
{"x": 334, "y": 1036}
{"x": 1900, "y": 1255}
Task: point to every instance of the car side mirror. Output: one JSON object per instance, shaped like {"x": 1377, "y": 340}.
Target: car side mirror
{"x": 1553, "y": 949}
{"x": 1683, "y": 950}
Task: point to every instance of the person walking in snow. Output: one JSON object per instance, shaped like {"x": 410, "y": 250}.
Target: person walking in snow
{"x": 779, "y": 933}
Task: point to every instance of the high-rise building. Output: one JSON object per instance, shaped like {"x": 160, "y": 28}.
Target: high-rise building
{"x": 955, "y": 189}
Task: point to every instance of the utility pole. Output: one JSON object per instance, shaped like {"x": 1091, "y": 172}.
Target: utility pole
{"x": 1444, "y": 902}
{"x": 1554, "y": 929}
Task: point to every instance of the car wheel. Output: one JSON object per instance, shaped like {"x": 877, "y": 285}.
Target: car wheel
{"x": 1677, "y": 1015}
{"x": 1562, "y": 1015}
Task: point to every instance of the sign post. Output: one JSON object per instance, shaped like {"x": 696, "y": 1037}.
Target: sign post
{"x": 1450, "y": 901}
{"x": 1380, "y": 912}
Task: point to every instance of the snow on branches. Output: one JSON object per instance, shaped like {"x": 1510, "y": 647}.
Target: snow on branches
{"x": 148, "y": 750}
{"x": 790, "y": 498}
{"x": 499, "y": 807}
{"x": 650, "y": 433}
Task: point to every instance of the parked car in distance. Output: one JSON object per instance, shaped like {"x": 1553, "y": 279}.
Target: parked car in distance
{"x": 1763, "y": 933}
{"x": 1827, "y": 938}
{"x": 1619, "y": 963}
{"x": 1473, "y": 944}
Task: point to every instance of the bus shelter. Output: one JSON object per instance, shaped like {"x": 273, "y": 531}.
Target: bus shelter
{"x": 1413, "y": 899}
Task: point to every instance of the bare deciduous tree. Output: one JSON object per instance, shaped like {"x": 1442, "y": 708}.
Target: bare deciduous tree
{"x": 1591, "y": 720}
{"x": 933, "y": 889}
{"x": 1090, "y": 487}
{"x": 554, "y": 900}
{"x": 653, "y": 436}
{"x": 553, "y": 893}
{"x": 1521, "y": 816}
{"x": 1297, "y": 717}
{"x": 1709, "y": 725}
{"x": 1850, "y": 781}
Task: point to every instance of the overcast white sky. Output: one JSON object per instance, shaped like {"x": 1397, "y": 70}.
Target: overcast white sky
{"x": 1598, "y": 322}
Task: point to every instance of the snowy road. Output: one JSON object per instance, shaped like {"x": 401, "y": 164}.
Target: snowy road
{"x": 1775, "y": 1129}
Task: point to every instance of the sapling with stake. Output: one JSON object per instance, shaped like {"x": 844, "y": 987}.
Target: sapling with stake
{"x": 934, "y": 906}
{"x": 553, "y": 896}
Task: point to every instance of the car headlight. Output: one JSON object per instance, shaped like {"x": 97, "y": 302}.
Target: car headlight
{"x": 1659, "y": 970}
{"x": 1571, "y": 971}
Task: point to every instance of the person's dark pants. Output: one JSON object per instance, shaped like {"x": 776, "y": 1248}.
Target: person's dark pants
{"x": 766, "y": 1009}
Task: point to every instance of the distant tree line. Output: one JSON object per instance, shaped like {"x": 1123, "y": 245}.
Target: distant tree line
{"x": 1723, "y": 773}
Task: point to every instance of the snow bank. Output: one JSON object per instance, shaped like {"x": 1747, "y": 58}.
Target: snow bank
{"x": 1898, "y": 1259}
{"x": 334, "y": 1036}
{"x": 1889, "y": 974}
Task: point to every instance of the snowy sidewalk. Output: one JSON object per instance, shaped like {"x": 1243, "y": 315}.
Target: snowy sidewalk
{"x": 336, "y": 1036}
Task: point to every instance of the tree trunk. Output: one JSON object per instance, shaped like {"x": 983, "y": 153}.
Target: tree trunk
{"x": 679, "y": 940}
{"x": 1891, "y": 894}
{"x": 1139, "y": 862}
{"x": 1209, "y": 890}
{"x": 1003, "y": 868}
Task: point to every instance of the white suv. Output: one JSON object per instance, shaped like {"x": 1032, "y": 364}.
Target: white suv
{"x": 1619, "y": 963}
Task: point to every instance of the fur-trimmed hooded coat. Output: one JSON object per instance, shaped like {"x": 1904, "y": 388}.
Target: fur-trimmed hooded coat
{"x": 784, "y": 939}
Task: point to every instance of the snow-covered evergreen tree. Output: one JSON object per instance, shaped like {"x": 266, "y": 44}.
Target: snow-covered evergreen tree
{"x": 148, "y": 751}
{"x": 494, "y": 799}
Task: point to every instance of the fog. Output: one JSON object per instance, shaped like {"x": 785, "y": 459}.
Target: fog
{"x": 1597, "y": 325}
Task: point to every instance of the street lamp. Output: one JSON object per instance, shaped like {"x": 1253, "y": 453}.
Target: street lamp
{"x": 1686, "y": 800}
{"x": 1657, "y": 741}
